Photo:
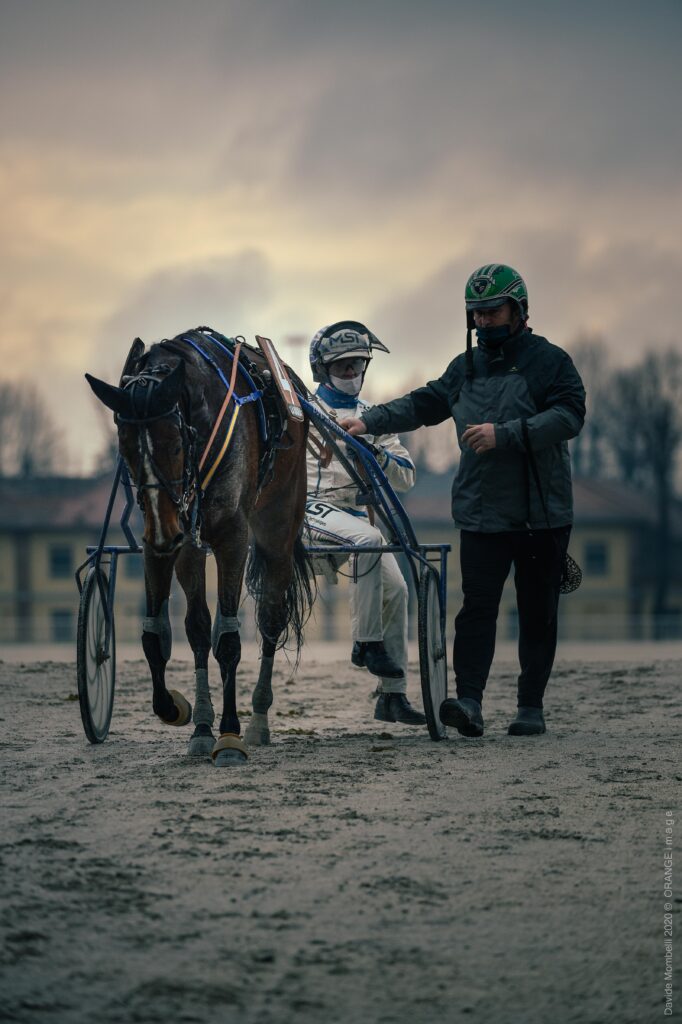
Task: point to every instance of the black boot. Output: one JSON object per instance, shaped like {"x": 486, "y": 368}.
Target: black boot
{"x": 395, "y": 707}
{"x": 373, "y": 656}
{"x": 464, "y": 714}
{"x": 528, "y": 722}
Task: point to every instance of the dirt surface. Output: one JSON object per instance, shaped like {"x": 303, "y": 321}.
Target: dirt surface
{"x": 347, "y": 873}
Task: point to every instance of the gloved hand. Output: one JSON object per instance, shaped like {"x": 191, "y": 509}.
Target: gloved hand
{"x": 377, "y": 451}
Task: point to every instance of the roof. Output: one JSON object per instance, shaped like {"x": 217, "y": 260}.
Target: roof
{"x": 49, "y": 503}
{"x": 55, "y": 503}
{"x": 595, "y": 502}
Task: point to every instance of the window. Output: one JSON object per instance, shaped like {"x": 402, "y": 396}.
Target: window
{"x": 61, "y": 562}
{"x": 62, "y": 625}
{"x": 596, "y": 558}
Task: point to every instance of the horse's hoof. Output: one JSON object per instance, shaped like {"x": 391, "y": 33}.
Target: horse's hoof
{"x": 229, "y": 759}
{"x": 184, "y": 709}
{"x": 199, "y": 746}
{"x": 229, "y": 751}
{"x": 257, "y": 732}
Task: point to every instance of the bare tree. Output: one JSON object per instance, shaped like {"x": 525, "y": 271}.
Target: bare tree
{"x": 30, "y": 443}
{"x": 645, "y": 432}
{"x": 589, "y": 450}
{"x": 107, "y": 456}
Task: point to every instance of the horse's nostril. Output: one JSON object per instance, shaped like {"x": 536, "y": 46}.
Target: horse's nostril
{"x": 177, "y": 541}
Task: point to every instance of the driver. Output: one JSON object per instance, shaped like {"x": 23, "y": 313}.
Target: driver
{"x": 339, "y": 357}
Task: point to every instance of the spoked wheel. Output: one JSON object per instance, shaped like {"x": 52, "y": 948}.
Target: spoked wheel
{"x": 433, "y": 662}
{"x": 96, "y": 672}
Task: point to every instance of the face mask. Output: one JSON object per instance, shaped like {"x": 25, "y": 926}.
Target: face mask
{"x": 493, "y": 337}
{"x": 347, "y": 385}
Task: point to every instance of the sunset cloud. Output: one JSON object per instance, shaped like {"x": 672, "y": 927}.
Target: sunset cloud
{"x": 275, "y": 166}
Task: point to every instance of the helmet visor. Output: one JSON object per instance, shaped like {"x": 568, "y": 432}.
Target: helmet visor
{"x": 494, "y": 303}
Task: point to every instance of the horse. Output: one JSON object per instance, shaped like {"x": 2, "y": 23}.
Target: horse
{"x": 202, "y": 480}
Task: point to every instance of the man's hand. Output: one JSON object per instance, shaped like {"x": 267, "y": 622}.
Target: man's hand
{"x": 480, "y": 436}
{"x": 353, "y": 426}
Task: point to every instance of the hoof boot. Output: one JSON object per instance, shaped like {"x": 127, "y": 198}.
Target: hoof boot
{"x": 184, "y": 709}
{"x": 229, "y": 751}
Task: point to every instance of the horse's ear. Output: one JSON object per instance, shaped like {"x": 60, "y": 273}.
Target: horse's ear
{"x": 167, "y": 394}
{"x": 133, "y": 358}
{"x": 113, "y": 398}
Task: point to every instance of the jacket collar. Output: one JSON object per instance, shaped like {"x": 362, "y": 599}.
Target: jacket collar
{"x": 336, "y": 398}
{"x": 510, "y": 349}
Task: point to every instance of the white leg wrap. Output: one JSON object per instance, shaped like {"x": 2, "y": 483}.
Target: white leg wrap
{"x": 160, "y": 625}
{"x": 203, "y": 708}
{"x": 222, "y": 624}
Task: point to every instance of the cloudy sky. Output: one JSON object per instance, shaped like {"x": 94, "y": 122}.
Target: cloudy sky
{"x": 273, "y": 165}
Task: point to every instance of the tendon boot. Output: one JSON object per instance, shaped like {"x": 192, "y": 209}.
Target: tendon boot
{"x": 528, "y": 722}
{"x": 464, "y": 714}
{"x": 395, "y": 707}
{"x": 373, "y": 656}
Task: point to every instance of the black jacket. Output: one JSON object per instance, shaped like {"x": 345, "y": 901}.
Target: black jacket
{"x": 528, "y": 378}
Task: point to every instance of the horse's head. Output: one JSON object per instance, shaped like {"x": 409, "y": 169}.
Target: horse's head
{"x": 156, "y": 444}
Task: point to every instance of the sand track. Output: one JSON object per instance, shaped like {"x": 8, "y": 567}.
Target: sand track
{"x": 347, "y": 873}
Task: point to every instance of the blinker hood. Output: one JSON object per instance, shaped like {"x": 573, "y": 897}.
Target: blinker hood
{"x": 143, "y": 398}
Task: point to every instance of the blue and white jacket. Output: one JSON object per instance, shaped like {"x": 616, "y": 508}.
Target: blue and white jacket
{"x": 331, "y": 482}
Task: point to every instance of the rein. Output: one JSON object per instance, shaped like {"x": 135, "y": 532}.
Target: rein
{"x": 223, "y": 409}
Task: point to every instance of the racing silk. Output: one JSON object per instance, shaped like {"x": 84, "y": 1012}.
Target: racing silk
{"x": 526, "y": 379}
{"x": 332, "y": 481}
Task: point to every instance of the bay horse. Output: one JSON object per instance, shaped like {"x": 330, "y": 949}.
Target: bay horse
{"x": 207, "y": 476}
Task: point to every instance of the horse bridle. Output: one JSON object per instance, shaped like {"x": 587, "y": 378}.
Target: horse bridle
{"x": 141, "y": 389}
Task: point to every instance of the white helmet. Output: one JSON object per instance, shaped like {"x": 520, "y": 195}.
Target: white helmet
{"x": 341, "y": 340}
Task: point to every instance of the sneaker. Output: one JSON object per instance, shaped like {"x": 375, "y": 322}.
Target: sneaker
{"x": 464, "y": 714}
{"x": 395, "y": 707}
{"x": 373, "y": 656}
{"x": 528, "y": 722}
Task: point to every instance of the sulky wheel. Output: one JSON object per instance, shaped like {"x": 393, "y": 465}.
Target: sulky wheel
{"x": 96, "y": 673}
{"x": 433, "y": 662}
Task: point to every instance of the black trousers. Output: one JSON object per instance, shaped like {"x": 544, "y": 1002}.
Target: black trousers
{"x": 486, "y": 559}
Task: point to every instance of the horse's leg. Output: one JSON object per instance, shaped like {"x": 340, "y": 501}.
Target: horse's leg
{"x": 170, "y": 705}
{"x": 258, "y": 730}
{"x": 226, "y": 644}
{"x": 271, "y": 572}
{"x": 191, "y": 572}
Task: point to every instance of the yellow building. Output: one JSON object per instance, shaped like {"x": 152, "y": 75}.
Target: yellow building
{"x": 612, "y": 540}
{"x": 47, "y": 524}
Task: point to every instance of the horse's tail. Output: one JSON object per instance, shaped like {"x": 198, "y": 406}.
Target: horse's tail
{"x": 288, "y": 621}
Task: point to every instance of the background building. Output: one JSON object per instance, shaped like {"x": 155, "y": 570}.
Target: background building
{"x": 47, "y": 523}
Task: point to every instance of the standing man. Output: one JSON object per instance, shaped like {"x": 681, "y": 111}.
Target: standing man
{"x": 339, "y": 357}
{"x": 515, "y": 390}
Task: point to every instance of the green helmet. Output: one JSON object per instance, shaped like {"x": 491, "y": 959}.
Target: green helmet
{"x": 491, "y": 286}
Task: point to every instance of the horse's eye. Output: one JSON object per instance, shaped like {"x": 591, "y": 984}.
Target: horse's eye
{"x": 178, "y": 450}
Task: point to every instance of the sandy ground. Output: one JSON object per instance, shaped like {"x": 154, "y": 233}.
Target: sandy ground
{"x": 347, "y": 873}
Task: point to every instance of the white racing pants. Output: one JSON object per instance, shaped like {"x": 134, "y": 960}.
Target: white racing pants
{"x": 378, "y": 592}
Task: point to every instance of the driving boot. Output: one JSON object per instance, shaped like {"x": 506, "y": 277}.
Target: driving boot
{"x": 464, "y": 714}
{"x": 395, "y": 707}
{"x": 372, "y": 655}
{"x": 528, "y": 722}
